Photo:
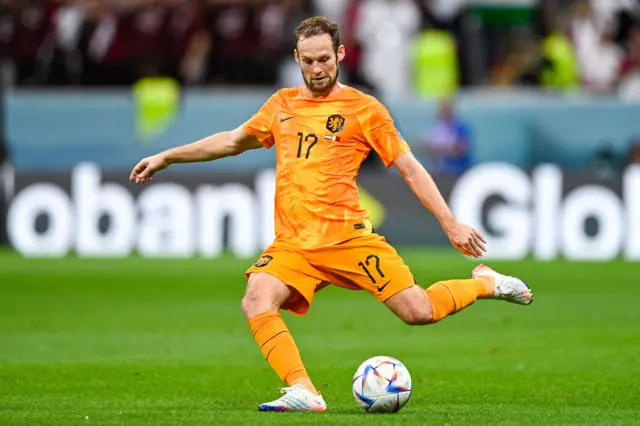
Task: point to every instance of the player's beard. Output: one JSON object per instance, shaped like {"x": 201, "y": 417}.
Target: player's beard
{"x": 324, "y": 86}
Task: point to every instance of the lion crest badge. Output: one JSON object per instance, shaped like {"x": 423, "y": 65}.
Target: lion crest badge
{"x": 263, "y": 261}
{"x": 335, "y": 123}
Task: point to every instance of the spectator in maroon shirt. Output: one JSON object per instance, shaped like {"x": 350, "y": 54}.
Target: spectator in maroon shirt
{"x": 351, "y": 62}
{"x": 63, "y": 58}
{"x": 148, "y": 21}
{"x": 187, "y": 42}
{"x": 106, "y": 45}
{"x": 272, "y": 19}
{"x": 30, "y": 23}
{"x": 631, "y": 61}
{"x": 7, "y": 28}
{"x": 235, "y": 41}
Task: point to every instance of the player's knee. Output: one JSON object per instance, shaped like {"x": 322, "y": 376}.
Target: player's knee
{"x": 412, "y": 306}
{"x": 254, "y": 301}
{"x": 418, "y": 316}
{"x": 264, "y": 293}
{"x": 251, "y": 304}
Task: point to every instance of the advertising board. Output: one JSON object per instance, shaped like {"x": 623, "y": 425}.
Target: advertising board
{"x": 546, "y": 213}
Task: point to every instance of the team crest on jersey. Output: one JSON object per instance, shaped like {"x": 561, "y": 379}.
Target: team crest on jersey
{"x": 263, "y": 261}
{"x": 335, "y": 123}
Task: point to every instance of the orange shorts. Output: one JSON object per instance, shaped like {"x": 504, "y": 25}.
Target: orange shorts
{"x": 365, "y": 263}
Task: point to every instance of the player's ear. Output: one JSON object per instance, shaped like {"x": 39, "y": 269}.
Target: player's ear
{"x": 296, "y": 55}
{"x": 341, "y": 53}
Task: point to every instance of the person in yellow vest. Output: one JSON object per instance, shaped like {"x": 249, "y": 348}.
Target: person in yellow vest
{"x": 435, "y": 64}
{"x": 156, "y": 104}
{"x": 560, "y": 69}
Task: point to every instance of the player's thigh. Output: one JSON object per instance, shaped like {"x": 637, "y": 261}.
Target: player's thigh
{"x": 368, "y": 263}
{"x": 292, "y": 269}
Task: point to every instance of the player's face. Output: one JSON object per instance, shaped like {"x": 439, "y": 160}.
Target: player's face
{"x": 318, "y": 62}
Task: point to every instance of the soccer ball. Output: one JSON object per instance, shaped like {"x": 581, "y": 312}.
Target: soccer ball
{"x": 382, "y": 384}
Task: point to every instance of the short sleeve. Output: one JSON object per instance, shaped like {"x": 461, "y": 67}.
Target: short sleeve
{"x": 260, "y": 124}
{"x": 381, "y": 134}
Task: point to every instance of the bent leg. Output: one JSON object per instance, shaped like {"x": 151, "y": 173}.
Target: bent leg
{"x": 371, "y": 264}
{"x": 415, "y": 306}
{"x": 449, "y": 297}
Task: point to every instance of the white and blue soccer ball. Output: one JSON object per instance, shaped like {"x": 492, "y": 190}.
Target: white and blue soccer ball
{"x": 382, "y": 384}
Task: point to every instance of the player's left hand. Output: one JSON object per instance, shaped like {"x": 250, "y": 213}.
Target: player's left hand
{"x": 466, "y": 240}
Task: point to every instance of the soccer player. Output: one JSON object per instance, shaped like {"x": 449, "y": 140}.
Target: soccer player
{"x": 322, "y": 131}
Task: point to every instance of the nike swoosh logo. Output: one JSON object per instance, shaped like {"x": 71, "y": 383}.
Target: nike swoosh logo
{"x": 382, "y": 288}
{"x": 282, "y": 120}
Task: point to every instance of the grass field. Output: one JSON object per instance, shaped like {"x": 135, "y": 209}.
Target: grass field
{"x": 155, "y": 342}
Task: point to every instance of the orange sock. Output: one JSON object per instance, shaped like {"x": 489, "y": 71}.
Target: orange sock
{"x": 279, "y": 349}
{"x": 449, "y": 297}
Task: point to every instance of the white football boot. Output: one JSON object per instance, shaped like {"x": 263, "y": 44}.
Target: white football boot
{"x": 296, "y": 398}
{"x": 511, "y": 289}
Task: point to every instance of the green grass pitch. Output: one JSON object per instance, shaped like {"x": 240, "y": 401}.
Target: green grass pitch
{"x": 159, "y": 342}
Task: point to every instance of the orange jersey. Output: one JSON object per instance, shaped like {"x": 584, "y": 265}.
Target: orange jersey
{"x": 320, "y": 145}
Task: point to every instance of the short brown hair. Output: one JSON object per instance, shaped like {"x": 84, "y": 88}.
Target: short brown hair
{"x": 319, "y": 25}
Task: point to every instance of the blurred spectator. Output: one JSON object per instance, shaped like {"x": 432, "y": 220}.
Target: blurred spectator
{"x": 107, "y": 45}
{"x": 629, "y": 76}
{"x": 249, "y": 40}
{"x": 448, "y": 142}
{"x": 26, "y": 26}
{"x": 187, "y": 42}
{"x": 600, "y": 70}
{"x": 334, "y": 10}
{"x": 521, "y": 66}
{"x": 353, "y": 61}
{"x": 631, "y": 61}
{"x": 246, "y": 42}
{"x": 598, "y": 56}
{"x": 146, "y": 24}
{"x": 6, "y": 35}
{"x": 63, "y": 59}
{"x": 273, "y": 20}
{"x": 445, "y": 11}
{"x": 558, "y": 64}
{"x": 385, "y": 29}
{"x": 613, "y": 15}
{"x": 232, "y": 40}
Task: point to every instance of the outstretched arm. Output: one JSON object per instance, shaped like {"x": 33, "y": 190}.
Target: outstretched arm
{"x": 465, "y": 239}
{"x": 219, "y": 145}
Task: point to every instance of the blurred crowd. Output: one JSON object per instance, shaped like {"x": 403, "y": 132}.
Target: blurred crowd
{"x": 591, "y": 46}
{"x": 395, "y": 47}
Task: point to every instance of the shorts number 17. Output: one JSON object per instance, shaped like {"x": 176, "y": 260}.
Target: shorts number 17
{"x": 366, "y": 263}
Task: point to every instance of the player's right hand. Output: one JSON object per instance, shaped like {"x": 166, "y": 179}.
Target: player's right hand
{"x": 466, "y": 240}
{"x": 143, "y": 172}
